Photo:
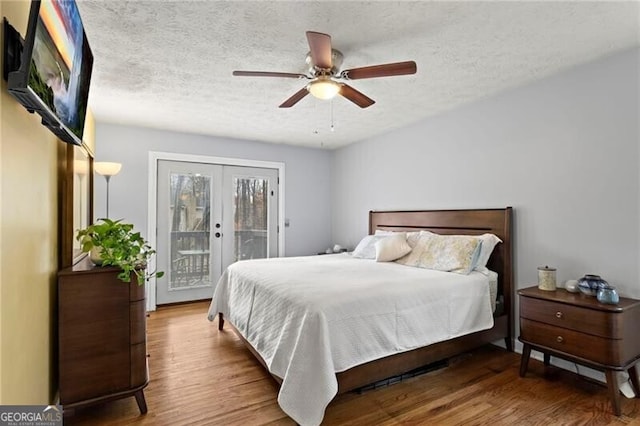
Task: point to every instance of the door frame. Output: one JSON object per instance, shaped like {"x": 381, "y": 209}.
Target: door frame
{"x": 155, "y": 156}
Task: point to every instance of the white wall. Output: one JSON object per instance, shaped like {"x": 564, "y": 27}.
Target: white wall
{"x": 307, "y": 174}
{"x": 564, "y": 152}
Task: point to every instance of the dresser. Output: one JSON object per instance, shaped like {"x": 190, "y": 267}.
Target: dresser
{"x": 101, "y": 337}
{"x": 578, "y": 328}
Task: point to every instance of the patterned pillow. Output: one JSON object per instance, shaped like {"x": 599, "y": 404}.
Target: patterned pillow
{"x": 450, "y": 253}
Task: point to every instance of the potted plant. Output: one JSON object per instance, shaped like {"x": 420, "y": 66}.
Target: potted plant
{"x": 113, "y": 243}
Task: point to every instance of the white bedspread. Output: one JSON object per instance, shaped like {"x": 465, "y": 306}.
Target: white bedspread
{"x": 310, "y": 317}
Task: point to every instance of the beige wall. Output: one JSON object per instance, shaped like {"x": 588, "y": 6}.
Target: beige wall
{"x": 89, "y": 135}
{"x": 28, "y": 245}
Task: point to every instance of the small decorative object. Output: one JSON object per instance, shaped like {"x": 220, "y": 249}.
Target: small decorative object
{"x": 337, "y": 248}
{"x": 113, "y": 243}
{"x": 328, "y": 251}
{"x": 589, "y": 284}
{"x": 571, "y": 286}
{"x": 547, "y": 278}
{"x": 608, "y": 295}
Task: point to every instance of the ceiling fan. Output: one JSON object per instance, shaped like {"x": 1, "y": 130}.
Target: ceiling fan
{"x": 324, "y": 72}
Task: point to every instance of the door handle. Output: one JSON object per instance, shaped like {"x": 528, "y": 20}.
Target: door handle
{"x": 218, "y": 235}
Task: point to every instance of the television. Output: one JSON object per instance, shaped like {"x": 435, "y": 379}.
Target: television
{"x": 50, "y": 70}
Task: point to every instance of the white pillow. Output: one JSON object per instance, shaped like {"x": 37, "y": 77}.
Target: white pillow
{"x": 450, "y": 253}
{"x": 489, "y": 241}
{"x": 366, "y": 248}
{"x": 412, "y": 237}
{"x": 392, "y": 247}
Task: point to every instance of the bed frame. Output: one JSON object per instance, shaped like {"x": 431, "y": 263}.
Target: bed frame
{"x": 468, "y": 222}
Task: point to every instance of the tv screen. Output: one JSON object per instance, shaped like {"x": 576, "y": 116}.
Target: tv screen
{"x": 55, "y": 68}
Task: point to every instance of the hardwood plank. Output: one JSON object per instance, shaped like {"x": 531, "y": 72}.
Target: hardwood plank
{"x": 200, "y": 376}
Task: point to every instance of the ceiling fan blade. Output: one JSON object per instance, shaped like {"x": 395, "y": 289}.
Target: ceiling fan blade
{"x": 268, "y": 74}
{"x": 295, "y": 98}
{"x": 320, "y": 47}
{"x": 384, "y": 70}
{"x": 356, "y": 97}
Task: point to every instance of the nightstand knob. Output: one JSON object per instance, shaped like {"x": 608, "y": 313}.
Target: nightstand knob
{"x": 558, "y": 314}
{"x": 559, "y": 339}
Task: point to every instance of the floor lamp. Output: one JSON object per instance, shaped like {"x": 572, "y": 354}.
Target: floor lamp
{"x": 107, "y": 170}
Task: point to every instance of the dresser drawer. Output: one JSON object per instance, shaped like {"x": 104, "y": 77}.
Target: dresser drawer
{"x": 91, "y": 377}
{"x": 591, "y": 321}
{"x": 586, "y": 346}
{"x": 136, "y": 291}
{"x": 139, "y": 373}
{"x": 137, "y": 322}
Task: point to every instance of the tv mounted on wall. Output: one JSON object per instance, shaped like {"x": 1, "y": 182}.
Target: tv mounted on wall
{"x": 49, "y": 71}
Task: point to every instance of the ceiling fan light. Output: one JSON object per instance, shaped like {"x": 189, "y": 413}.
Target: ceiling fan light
{"x": 323, "y": 88}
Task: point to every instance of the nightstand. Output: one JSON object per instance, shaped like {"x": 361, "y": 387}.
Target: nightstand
{"x": 578, "y": 328}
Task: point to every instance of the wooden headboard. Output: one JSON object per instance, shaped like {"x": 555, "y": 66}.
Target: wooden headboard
{"x": 462, "y": 222}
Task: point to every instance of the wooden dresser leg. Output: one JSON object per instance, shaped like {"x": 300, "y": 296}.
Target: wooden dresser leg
{"x": 220, "y": 321}
{"x": 614, "y": 391}
{"x": 633, "y": 375}
{"x": 524, "y": 361}
{"x": 142, "y": 404}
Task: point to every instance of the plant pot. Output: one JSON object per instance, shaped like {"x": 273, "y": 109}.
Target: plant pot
{"x": 95, "y": 255}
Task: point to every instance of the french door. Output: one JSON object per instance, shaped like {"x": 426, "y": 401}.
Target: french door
{"x": 209, "y": 216}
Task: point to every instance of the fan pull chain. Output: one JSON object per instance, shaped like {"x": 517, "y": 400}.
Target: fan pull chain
{"x": 331, "y": 128}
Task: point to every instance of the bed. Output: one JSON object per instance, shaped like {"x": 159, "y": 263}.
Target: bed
{"x": 302, "y": 328}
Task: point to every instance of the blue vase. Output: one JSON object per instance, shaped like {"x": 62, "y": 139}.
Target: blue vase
{"x": 590, "y": 284}
{"x": 608, "y": 295}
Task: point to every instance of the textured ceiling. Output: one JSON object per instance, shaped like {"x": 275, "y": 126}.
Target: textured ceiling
{"x": 168, "y": 64}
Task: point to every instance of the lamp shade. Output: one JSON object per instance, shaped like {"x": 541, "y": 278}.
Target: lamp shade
{"x": 105, "y": 168}
{"x": 80, "y": 167}
{"x": 323, "y": 88}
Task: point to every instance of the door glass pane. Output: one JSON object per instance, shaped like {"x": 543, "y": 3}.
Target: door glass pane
{"x": 250, "y": 218}
{"x": 189, "y": 223}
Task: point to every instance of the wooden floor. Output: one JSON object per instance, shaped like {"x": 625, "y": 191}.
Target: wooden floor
{"x": 200, "y": 376}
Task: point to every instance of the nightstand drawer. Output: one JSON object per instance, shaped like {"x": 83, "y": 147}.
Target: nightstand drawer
{"x": 587, "y": 346}
{"x": 591, "y": 321}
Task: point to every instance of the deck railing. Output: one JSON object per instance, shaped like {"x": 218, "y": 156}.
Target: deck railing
{"x": 190, "y": 252}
